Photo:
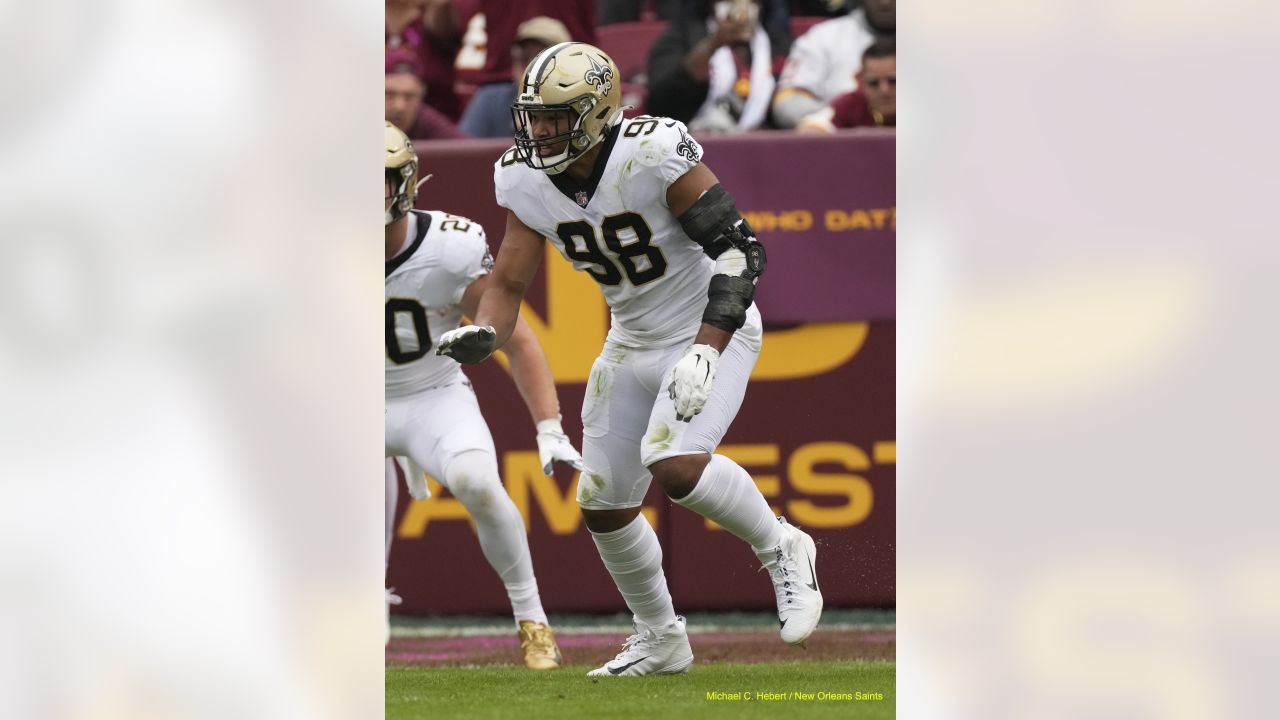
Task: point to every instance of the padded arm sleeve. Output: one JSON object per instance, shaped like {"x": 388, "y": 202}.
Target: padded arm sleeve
{"x": 714, "y": 223}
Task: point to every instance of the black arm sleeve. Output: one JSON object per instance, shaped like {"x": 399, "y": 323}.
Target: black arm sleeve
{"x": 714, "y": 223}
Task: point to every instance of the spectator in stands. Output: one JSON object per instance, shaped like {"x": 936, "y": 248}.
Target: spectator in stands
{"x": 429, "y": 29}
{"x": 827, "y": 8}
{"x": 714, "y": 68}
{"x": 406, "y": 93}
{"x": 532, "y": 37}
{"x": 609, "y": 12}
{"x": 824, "y": 63}
{"x": 874, "y": 103}
{"x": 490, "y": 107}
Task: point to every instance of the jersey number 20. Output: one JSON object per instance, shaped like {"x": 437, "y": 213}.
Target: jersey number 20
{"x": 581, "y": 244}
{"x": 418, "y": 315}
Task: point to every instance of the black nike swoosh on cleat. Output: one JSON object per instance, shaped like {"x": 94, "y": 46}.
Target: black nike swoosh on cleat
{"x": 782, "y": 623}
{"x": 813, "y": 577}
{"x": 618, "y": 671}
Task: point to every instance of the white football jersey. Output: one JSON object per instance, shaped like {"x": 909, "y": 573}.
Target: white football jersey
{"x": 425, "y": 284}
{"x": 825, "y": 59}
{"x": 617, "y": 228}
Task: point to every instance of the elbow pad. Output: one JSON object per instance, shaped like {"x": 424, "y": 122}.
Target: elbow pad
{"x": 714, "y": 223}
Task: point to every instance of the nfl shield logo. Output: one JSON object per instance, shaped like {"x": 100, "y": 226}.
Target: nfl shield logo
{"x": 581, "y": 197}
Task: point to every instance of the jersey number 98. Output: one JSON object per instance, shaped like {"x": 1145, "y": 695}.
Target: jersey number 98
{"x": 641, "y": 261}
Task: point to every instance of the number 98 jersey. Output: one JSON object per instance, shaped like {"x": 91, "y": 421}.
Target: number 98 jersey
{"x": 425, "y": 284}
{"x": 617, "y": 228}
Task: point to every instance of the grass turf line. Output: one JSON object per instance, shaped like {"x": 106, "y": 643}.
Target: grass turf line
{"x": 503, "y": 692}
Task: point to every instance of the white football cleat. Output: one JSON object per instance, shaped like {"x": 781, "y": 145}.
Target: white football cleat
{"x": 651, "y": 651}
{"x": 792, "y": 567}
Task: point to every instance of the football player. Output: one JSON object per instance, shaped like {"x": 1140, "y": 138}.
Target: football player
{"x": 436, "y": 268}
{"x": 630, "y": 203}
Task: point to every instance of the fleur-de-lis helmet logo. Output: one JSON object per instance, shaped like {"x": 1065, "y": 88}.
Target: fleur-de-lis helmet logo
{"x": 600, "y": 76}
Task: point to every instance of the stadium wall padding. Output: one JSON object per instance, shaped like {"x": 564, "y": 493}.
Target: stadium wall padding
{"x": 816, "y": 429}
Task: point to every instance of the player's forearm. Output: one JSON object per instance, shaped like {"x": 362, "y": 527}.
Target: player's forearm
{"x": 500, "y": 309}
{"x": 715, "y": 337}
{"x": 532, "y": 374}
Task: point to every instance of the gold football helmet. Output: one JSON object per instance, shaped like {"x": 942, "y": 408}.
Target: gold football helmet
{"x": 402, "y": 174}
{"x": 577, "y": 87}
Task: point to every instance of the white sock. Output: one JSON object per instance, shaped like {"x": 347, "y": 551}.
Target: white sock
{"x": 393, "y": 493}
{"x": 472, "y": 477}
{"x": 526, "y": 604}
{"x": 726, "y": 494}
{"x": 634, "y": 559}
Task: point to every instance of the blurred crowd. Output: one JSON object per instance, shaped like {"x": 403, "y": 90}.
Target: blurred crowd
{"x": 719, "y": 66}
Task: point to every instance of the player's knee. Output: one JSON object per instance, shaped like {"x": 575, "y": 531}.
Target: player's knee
{"x": 677, "y": 475}
{"x": 473, "y": 480}
{"x": 604, "y": 521}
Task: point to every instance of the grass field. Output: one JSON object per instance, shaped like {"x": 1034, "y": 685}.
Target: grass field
{"x": 467, "y": 668}
{"x": 506, "y": 692}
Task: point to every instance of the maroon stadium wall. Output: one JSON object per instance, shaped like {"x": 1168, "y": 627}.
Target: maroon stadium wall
{"x": 816, "y": 429}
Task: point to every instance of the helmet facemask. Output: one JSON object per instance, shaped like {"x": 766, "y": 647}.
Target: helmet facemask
{"x": 399, "y": 187}
{"x": 568, "y": 131}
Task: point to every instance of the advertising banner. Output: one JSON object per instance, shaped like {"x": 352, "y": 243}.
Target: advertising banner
{"x": 816, "y": 429}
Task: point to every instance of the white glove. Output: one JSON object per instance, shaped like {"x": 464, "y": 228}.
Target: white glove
{"x": 691, "y": 380}
{"x": 554, "y": 446}
{"x": 469, "y": 343}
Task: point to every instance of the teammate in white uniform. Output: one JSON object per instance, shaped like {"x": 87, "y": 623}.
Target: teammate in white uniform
{"x": 630, "y": 203}
{"x": 436, "y": 268}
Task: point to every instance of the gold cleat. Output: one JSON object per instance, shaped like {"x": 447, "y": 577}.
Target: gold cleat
{"x": 538, "y": 641}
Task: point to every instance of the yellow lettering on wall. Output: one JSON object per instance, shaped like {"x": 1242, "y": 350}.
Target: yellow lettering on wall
{"x": 796, "y": 220}
{"x": 421, "y": 512}
{"x": 529, "y": 488}
{"x": 885, "y": 452}
{"x": 761, "y": 220}
{"x": 808, "y": 350}
{"x": 754, "y": 456}
{"x": 860, "y": 219}
{"x": 523, "y": 475}
{"x": 853, "y": 488}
